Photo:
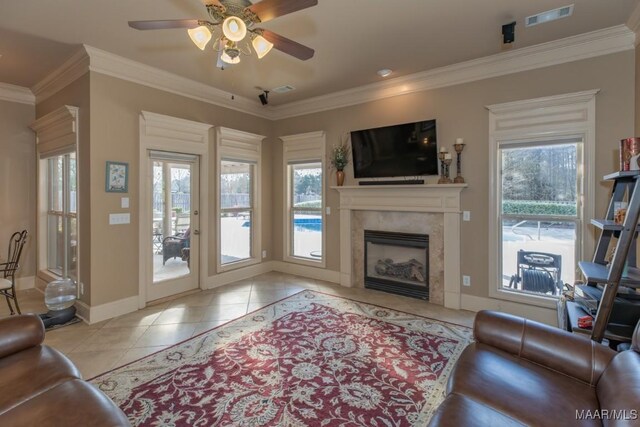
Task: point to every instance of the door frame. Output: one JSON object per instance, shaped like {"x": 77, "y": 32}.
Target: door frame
{"x": 160, "y": 132}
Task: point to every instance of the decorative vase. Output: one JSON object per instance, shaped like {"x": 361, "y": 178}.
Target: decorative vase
{"x": 340, "y": 178}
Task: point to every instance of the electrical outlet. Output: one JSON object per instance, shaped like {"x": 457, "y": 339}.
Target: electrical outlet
{"x": 466, "y": 215}
{"x": 466, "y": 280}
{"x": 264, "y": 254}
{"x": 81, "y": 288}
{"x": 124, "y": 203}
{"x": 328, "y": 210}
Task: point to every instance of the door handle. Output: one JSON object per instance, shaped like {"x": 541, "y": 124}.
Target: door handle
{"x": 195, "y": 212}
{"x": 196, "y": 232}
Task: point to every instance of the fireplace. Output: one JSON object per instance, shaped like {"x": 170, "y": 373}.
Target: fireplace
{"x": 397, "y": 263}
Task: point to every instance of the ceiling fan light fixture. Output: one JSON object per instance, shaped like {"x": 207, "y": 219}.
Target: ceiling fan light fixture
{"x": 234, "y": 28}
{"x": 200, "y": 36}
{"x": 225, "y": 57}
{"x": 261, "y": 45}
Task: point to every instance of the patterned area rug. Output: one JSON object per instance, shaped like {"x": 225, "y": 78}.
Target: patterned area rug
{"x": 309, "y": 360}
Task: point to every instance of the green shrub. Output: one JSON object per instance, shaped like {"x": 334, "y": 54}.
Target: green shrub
{"x": 309, "y": 204}
{"x": 532, "y": 207}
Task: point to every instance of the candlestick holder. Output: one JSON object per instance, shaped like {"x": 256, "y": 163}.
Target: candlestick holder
{"x": 459, "y": 179}
{"x": 443, "y": 178}
{"x": 447, "y": 163}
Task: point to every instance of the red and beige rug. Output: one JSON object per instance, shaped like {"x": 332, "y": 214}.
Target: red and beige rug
{"x": 310, "y": 360}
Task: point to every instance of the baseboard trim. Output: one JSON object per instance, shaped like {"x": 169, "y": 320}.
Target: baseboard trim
{"x": 23, "y": 283}
{"x": 98, "y": 313}
{"x": 537, "y": 313}
{"x": 307, "y": 271}
{"x": 242, "y": 273}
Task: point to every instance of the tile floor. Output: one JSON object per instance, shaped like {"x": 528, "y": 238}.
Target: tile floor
{"x": 103, "y": 346}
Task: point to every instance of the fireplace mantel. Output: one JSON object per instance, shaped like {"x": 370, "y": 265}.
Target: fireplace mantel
{"x": 432, "y": 198}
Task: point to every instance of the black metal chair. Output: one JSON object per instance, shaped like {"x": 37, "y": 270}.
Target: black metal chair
{"x": 538, "y": 272}
{"x": 8, "y": 269}
{"x": 172, "y": 246}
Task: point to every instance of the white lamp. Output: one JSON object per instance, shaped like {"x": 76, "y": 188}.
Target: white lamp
{"x": 234, "y": 28}
{"x": 200, "y": 36}
{"x": 261, "y": 45}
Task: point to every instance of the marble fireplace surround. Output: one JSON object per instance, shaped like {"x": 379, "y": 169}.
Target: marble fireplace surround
{"x": 382, "y": 206}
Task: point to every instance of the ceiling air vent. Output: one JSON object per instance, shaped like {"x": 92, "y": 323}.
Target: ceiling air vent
{"x": 283, "y": 89}
{"x": 548, "y": 16}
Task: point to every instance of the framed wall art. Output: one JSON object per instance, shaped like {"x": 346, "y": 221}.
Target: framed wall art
{"x": 117, "y": 177}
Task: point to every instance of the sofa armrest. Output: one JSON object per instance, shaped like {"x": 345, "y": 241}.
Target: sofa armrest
{"x": 19, "y": 333}
{"x": 570, "y": 354}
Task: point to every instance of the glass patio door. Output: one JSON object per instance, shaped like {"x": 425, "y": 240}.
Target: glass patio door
{"x": 174, "y": 235}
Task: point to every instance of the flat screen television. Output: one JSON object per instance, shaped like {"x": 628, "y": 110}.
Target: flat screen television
{"x": 408, "y": 149}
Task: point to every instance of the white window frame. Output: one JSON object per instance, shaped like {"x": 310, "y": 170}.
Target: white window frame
{"x": 541, "y": 119}
{"x": 302, "y": 148}
{"x": 65, "y": 214}
{"x": 56, "y": 134}
{"x": 235, "y": 145}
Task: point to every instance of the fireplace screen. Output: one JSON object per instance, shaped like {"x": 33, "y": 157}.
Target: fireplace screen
{"x": 397, "y": 263}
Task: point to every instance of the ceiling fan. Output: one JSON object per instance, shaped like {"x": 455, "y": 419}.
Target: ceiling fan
{"x": 231, "y": 21}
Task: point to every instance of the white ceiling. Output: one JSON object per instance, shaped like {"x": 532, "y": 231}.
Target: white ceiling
{"x": 352, "y": 38}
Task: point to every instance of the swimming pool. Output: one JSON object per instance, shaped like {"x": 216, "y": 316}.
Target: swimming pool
{"x": 302, "y": 224}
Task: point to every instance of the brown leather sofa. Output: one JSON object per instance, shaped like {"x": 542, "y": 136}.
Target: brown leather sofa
{"x": 519, "y": 372}
{"x": 39, "y": 386}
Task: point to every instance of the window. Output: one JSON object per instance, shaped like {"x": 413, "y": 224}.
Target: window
{"x": 61, "y": 225}
{"x": 540, "y": 214}
{"x": 305, "y": 216}
{"x": 304, "y": 220}
{"x": 239, "y": 219}
{"x": 236, "y": 211}
{"x": 541, "y": 165}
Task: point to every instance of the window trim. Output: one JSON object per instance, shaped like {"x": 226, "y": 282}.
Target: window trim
{"x": 240, "y": 146}
{"x": 302, "y": 148}
{"x": 56, "y": 134}
{"x": 548, "y": 118}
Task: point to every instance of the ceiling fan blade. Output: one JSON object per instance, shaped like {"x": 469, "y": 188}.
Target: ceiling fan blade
{"x": 269, "y": 9}
{"x": 288, "y": 46}
{"x": 165, "y": 24}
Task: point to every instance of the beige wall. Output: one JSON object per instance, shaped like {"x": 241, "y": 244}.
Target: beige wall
{"x": 109, "y": 130}
{"x": 18, "y": 180}
{"x": 460, "y": 112}
{"x": 77, "y": 94}
{"x": 115, "y": 111}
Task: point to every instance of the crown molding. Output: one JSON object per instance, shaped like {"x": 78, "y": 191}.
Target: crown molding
{"x": 70, "y": 70}
{"x": 583, "y": 46}
{"x": 596, "y": 43}
{"x": 13, "y": 93}
{"x": 126, "y": 69}
{"x": 633, "y": 23}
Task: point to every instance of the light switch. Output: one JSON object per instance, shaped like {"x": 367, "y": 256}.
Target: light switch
{"x": 328, "y": 210}
{"x": 124, "y": 203}
{"x": 119, "y": 218}
{"x": 466, "y": 215}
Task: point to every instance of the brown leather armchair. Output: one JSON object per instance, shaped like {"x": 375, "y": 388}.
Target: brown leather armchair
{"x": 39, "y": 386}
{"x": 519, "y": 372}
